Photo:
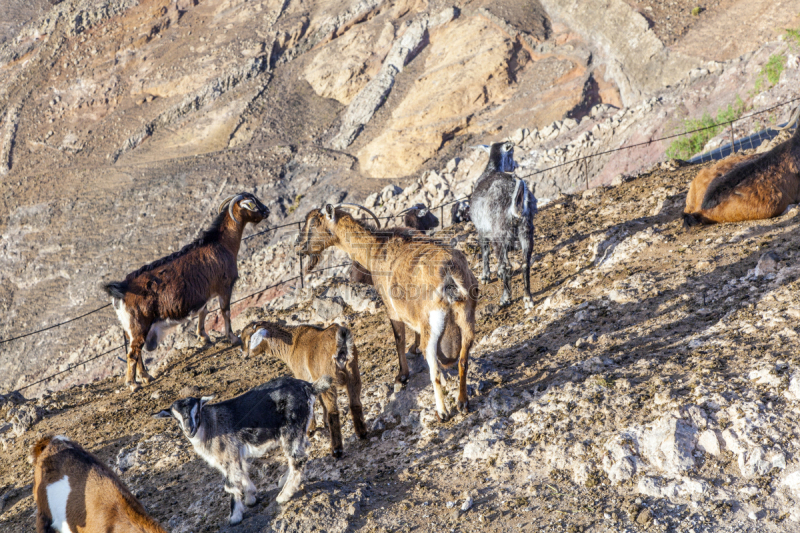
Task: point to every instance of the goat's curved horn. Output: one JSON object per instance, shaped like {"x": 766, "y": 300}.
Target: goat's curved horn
{"x": 377, "y": 222}
{"x": 795, "y": 116}
{"x": 230, "y": 201}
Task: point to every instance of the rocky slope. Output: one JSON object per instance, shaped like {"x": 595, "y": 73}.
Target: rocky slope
{"x": 122, "y": 124}
{"x": 651, "y": 389}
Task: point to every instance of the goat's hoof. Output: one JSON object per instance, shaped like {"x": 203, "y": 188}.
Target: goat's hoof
{"x": 233, "y": 520}
{"x": 463, "y": 407}
{"x": 399, "y": 386}
{"x": 442, "y": 417}
{"x": 202, "y": 342}
{"x": 337, "y": 453}
{"x": 528, "y": 303}
{"x": 134, "y": 387}
{"x": 504, "y": 303}
{"x": 146, "y": 379}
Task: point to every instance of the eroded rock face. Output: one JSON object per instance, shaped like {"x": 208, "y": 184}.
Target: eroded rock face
{"x": 470, "y": 65}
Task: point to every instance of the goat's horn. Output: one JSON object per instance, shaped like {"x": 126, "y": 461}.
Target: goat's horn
{"x": 378, "y": 222}
{"x": 230, "y": 201}
{"x": 795, "y": 116}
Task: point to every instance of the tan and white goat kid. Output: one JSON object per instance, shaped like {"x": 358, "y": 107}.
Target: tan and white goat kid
{"x": 76, "y": 493}
{"x": 311, "y": 352}
{"x": 421, "y": 283}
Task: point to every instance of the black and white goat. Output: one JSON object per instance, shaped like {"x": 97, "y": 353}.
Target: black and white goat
{"x": 227, "y": 434}
{"x": 420, "y": 218}
{"x": 459, "y": 212}
{"x": 502, "y": 210}
{"x": 171, "y": 290}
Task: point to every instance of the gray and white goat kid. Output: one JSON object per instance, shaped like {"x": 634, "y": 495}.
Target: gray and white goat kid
{"x": 227, "y": 434}
{"x": 502, "y": 210}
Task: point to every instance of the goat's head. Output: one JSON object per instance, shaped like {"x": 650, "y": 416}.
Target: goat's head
{"x": 319, "y": 231}
{"x": 460, "y": 211}
{"x": 501, "y": 156}
{"x": 420, "y": 218}
{"x": 252, "y": 336}
{"x": 187, "y": 413}
{"x": 244, "y": 207}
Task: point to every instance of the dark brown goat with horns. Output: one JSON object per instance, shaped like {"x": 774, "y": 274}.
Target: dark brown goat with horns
{"x": 173, "y": 289}
{"x": 742, "y": 188}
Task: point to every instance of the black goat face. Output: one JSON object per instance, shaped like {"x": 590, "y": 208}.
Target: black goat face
{"x": 187, "y": 413}
{"x": 251, "y": 209}
{"x": 502, "y": 156}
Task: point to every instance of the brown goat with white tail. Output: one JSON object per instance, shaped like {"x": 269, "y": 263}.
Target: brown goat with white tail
{"x": 76, "y": 493}
{"x": 311, "y": 352}
{"x": 171, "y": 290}
{"x": 742, "y": 188}
{"x": 420, "y": 283}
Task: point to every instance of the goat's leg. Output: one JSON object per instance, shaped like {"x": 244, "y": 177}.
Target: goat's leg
{"x": 356, "y": 408}
{"x": 415, "y": 347}
{"x": 142, "y": 371}
{"x": 504, "y": 273}
{"x": 526, "y": 244}
{"x": 329, "y": 400}
{"x": 225, "y": 307}
{"x": 436, "y": 324}
{"x": 295, "y": 450}
{"x": 485, "y": 254}
{"x": 202, "y": 336}
{"x": 133, "y": 356}
{"x": 248, "y": 488}
{"x": 237, "y": 506}
{"x": 399, "y": 330}
{"x": 464, "y": 315}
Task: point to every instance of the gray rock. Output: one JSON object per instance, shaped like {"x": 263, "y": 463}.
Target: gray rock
{"x": 328, "y": 308}
{"x": 669, "y": 445}
{"x": 767, "y": 264}
{"x": 22, "y": 417}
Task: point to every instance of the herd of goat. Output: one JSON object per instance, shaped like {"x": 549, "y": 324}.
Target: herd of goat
{"x": 425, "y": 285}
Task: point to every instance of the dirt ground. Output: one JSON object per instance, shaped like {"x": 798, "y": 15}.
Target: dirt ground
{"x": 638, "y": 306}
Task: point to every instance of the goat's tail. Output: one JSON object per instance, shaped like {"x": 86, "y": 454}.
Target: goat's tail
{"x": 692, "y": 219}
{"x": 345, "y": 347}
{"x": 116, "y": 289}
{"x": 322, "y": 384}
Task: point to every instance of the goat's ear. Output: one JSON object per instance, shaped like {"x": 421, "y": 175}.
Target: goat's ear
{"x": 330, "y": 212}
{"x": 421, "y": 213}
{"x": 256, "y": 338}
{"x": 163, "y": 414}
{"x": 520, "y": 197}
{"x": 205, "y": 399}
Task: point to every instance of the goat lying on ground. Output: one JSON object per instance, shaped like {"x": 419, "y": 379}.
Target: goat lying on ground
{"x": 171, "y": 290}
{"x": 502, "y": 210}
{"x": 75, "y": 492}
{"x": 742, "y": 188}
{"x": 420, "y": 218}
{"x": 228, "y": 433}
{"x": 421, "y": 282}
{"x": 311, "y": 352}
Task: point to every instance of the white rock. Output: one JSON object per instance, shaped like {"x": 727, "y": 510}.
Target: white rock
{"x": 792, "y": 481}
{"x": 708, "y": 442}
{"x": 467, "y": 505}
{"x": 669, "y": 445}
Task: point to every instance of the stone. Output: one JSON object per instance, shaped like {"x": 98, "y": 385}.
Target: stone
{"x": 467, "y": 505}
{"x": 708, "y": 442}
{"x": 328, "y": 308}
{"x": 644, "y": 517}
{"x": 669, "y": 444}
{"x": 23, "y": 417}
{"x": 767, "y": 264}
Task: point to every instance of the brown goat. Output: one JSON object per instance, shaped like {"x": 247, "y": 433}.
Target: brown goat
{"x": 173, "y": 289}
{"x": 421, "y": 282}
{"x": 311, "y": 352}
{"x": 742, "y": 188}
{"x": 449, "y": 344}
{"x": 75, "y": 492}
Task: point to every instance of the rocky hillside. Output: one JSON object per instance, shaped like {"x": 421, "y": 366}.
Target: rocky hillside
{"x": 122, "y": 124}
{"x": 652, "y": 388}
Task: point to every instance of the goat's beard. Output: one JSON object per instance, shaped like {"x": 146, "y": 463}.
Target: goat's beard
{"x": 313, "y": 260}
